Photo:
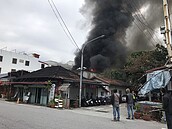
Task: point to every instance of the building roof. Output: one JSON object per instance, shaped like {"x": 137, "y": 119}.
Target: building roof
{"x": 51, "y": 72}
{"x": 111, "y": 81}
{"x": 155, "y": 69}
{"x": 3, "y": 75}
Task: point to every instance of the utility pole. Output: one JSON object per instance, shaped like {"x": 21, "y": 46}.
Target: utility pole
{"x": 82, "y": 59}
{"x": 167, "y": 35}
{"x": 167, "y": 29}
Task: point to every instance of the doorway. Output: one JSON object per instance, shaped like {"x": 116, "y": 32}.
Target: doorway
{"x": 38, "y": 95}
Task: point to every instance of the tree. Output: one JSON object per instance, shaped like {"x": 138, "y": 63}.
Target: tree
{"x": 137, "y": 64}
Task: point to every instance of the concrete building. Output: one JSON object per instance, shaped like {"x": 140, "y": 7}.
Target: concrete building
{"x": 12, "y": 61}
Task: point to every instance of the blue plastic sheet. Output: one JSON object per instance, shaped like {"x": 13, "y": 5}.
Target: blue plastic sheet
{"x": 155, "y": 80}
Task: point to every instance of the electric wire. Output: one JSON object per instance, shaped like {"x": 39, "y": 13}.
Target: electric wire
{"x": 139, "y": 26}
{"x": 147, "y": 24}
{"x": 69, "y": 35}
{"x": 141, "y": 18}
{"x": 65, "y": 24}
{"x": 59, "y": 21}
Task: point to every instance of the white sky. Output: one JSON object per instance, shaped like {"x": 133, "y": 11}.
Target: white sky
{"x": 31, "y": 26}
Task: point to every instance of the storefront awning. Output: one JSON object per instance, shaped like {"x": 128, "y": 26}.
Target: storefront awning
{"x": 64, "y": 87}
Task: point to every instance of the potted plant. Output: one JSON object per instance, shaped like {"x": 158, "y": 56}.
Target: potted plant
{"x": 137, "y": 113}
{"x": 146, "y": 113}
{"x": 51, "y": 103}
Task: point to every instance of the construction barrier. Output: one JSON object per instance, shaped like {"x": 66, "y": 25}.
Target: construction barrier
{"x": 59, "y": 103}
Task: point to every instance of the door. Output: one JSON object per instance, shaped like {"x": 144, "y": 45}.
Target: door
{"x": 38, "y": 95}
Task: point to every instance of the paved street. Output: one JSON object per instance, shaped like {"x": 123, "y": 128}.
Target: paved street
{"x": 24, "y": 116}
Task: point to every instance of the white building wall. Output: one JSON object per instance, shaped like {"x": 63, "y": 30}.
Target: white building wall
{"x": 6, "y": 65}
{"x": 121, "y": 89}
{"x": 87, "y": 74}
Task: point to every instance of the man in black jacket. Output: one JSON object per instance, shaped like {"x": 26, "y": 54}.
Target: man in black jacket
{"x": 167, "y": 106}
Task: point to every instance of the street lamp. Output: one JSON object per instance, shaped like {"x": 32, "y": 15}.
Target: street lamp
{"x": 81, "y": 70}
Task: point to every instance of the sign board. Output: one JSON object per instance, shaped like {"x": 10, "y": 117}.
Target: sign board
{"x": 51, "y": 94}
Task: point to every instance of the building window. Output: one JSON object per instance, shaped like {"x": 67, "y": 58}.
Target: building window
{"x": 13, "y": 70}
{"x": 0, "y": 70}
{"x": 1, "y": 58}
{"x": 27, "y": 63}
{"x": 14, "y": 61}
{"x": 102, "y": 93}
{"x": 21, "y": 61}
{"x": 42, "y": 66}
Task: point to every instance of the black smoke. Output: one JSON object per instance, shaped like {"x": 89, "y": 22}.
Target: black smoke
{"x": 115, "y": 19}
{"x": 140, "y": 33}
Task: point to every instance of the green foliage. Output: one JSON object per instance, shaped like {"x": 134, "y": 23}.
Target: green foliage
{"x": 48, "y": 86}
{"x": 118, "y": 74}
{"x": 138, "y": 107}
{"x": 137, "y": 64}
{"x": 51, "y": 103}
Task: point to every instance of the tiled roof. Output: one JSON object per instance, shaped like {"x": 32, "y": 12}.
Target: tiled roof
{"x": 111, "y": 81}
{"x": 51, "y": 72}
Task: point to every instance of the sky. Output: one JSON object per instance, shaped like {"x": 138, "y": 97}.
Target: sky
{"x": 30, "y": 26}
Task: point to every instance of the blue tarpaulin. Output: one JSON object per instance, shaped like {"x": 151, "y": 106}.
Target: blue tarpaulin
{"x": 155, "y": 80}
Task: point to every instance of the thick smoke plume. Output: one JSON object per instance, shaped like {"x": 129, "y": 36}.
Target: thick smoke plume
{"x": 115, "y": 19}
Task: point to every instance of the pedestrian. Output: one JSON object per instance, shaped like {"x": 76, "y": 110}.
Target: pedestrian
{"x": 134, "y": 99}
{"x": 115, "y": 103}
{"x": 167, "y": 106}
{"x": 129, "y": 101}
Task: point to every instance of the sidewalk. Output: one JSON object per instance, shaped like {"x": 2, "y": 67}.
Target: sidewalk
{"x": 107, "y": 109}
{"x": 106, "y": 112}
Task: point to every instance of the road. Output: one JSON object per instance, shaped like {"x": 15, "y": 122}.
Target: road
{"x": 24, "y": 116}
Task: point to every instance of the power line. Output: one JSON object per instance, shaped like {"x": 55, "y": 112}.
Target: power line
{"x": 68, "y": 34}
{"x": 147, "y": 24}
{"x": 137, "y": 24}
{"x": 59, "y": 20}
{"x": 64, "y": 24}
{"x": 139, "y": 18}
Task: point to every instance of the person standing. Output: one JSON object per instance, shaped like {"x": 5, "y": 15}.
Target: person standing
{"x": 115, "y": 104}
{"x": 134, "y": 99}
{"x": 129, "y": 101}
{"x": 167, "y": 106}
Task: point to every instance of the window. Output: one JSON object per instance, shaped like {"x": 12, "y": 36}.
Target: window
{"x": 42, "y": 66}
{"x": 0, "y": 70}
{"x": 1, "y": 58}
{"x": 26, "y": 63}
{"x": 13, "y": 70}
{"x": 102, "y": 93}
{"x": 21, "y": 61}
{"x": 14, "y": 61}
